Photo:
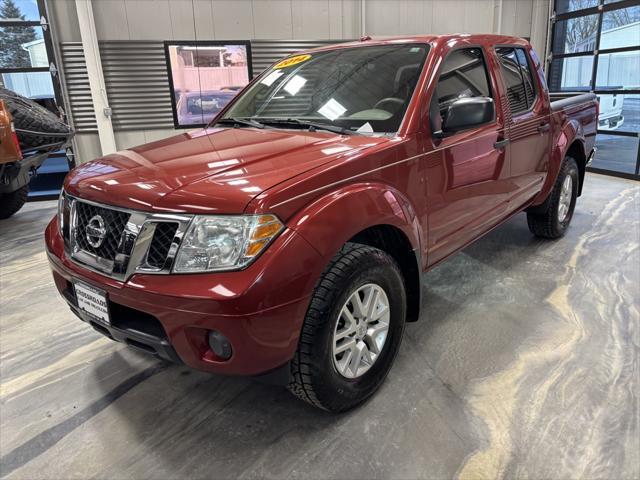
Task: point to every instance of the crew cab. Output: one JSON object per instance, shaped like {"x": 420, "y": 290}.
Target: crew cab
{"x": 287, "y": 240}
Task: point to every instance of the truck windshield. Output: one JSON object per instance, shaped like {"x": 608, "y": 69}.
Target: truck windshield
{"x": 361, "y": 89}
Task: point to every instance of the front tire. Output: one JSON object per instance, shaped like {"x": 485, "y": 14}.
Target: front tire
{"x": 554, "y": 220}
{"x": 352, "y": 330}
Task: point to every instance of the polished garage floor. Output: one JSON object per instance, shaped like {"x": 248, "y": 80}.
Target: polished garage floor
{"x": 525, "y": 365}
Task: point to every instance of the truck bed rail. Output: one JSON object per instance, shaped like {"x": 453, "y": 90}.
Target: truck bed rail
{"x": 562, "y": 100}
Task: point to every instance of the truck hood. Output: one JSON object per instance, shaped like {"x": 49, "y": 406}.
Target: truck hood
{"x": 208, "y": 171}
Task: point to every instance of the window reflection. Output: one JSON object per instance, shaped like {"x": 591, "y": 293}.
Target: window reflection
{"x": 205, "y": 77}
{"x": 620, "y": 28}
{"x": 576, "y": 34}
{"x": 29, "y": 84}
{"x": 618, "y": 71}
{"x": 25, "y": 10}
{"x": 571, "y": 74}
{"x": 22, "y": 47}
{"x": 573, "y": 5}
{"x": 361, "y": 89}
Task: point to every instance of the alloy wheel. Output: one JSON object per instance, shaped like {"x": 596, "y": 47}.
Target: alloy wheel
{"x": 565, "y": 198}
{"x": 361, "y": 331}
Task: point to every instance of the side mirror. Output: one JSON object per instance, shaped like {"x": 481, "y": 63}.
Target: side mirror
{"x": 466, "y": 113}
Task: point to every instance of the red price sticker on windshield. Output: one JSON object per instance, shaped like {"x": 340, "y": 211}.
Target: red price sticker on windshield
{"x": 288, "y": 62}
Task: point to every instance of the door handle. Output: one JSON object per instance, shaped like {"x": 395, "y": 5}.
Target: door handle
{"x": 501, "y": 144}
{"x": 544, "y": 127}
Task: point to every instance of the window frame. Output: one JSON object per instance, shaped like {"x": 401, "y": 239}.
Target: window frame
{"x": 46, "y": 26}
{"x": 600, "y": 9}
{"x": 168, "y": 44}
{"x": 490, "y": 84}
{"x": 55, "y": 71}
{"x": 536, "y": 87}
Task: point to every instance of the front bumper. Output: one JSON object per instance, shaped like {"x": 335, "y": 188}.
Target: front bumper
{"x": 260, "y": 309}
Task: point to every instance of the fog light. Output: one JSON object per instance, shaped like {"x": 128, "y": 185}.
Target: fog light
{"x": 220, "y": 345}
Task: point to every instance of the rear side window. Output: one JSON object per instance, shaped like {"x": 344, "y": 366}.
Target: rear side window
{"x": 464, "y": 75}
{"x": 518, "y": 78}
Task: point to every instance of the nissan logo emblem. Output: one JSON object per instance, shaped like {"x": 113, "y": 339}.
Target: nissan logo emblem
{"x": 95, "y": 231}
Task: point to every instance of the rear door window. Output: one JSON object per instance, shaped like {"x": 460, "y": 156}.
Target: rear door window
{"x": 527, "y": 76}
{"x": 518, "y": 78}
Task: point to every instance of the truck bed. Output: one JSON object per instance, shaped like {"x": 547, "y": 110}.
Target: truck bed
{"x": 562, "y": 100}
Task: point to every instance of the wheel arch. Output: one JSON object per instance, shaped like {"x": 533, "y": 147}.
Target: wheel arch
{"x": 577, "y": 151}
{"x": 394, "y": 242}
{"x": 569, "y": 141}
{"x": 372, "y": 214}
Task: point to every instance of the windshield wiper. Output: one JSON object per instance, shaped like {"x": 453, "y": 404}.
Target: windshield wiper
{"x": 241, "y": 121}
{"x": 311, "y": 125}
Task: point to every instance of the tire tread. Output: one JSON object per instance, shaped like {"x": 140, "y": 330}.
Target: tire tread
{"x": 301, "y": 379}
{"x": 29, "y": 115}
{"x": 544, "y": 224}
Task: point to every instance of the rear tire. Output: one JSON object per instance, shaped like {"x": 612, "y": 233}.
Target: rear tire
{"x": 317, "y": 375}
{"x": 10, "y": 203}
{"x": 554, "y": 220}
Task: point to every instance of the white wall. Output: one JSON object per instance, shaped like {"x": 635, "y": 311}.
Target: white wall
{"x": 291, "y": 19}
{"x": 300, "y": 19}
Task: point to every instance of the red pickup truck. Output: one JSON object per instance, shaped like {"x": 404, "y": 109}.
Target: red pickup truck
{"x": 287, "y": 240}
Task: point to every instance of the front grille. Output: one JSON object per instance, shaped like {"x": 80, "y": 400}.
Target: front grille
{"x": 114, "y": 222}
{"x": 161, "y": 243}
{"x": 120, "y": 243}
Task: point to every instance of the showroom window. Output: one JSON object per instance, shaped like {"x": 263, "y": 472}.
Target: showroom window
{"x": 26, "y": 53}
{"x": 596, "y": 48}
{"x": 27, "y": 66}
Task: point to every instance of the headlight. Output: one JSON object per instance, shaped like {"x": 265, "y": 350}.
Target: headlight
{"x": 224, "y": 242}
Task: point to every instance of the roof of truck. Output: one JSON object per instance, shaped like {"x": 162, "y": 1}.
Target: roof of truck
{"x": 487, "y": 39}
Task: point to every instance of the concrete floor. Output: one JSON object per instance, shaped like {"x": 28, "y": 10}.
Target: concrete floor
{"x": 524, "y": 365}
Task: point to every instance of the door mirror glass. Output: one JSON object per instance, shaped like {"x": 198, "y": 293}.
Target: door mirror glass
{"x": 466, "y": 113}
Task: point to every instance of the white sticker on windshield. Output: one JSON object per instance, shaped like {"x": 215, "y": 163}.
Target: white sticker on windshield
{"x": 332, "y": 109}
{"x": 272, "y": 77}
{"x": 366, "y": 128}
{"x": 294, "y": 85}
